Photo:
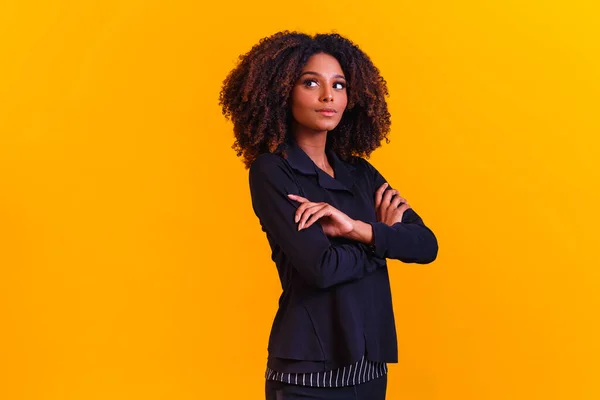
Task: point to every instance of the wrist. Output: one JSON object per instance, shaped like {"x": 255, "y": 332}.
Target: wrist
{"x": 361, "y": 232}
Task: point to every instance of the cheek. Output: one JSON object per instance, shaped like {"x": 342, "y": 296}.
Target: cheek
{"x": 301, "y": 104}
{"x": 301, "y": 99}
{"x": 344, "y": 100}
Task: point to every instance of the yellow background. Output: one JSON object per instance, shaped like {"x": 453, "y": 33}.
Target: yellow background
{"x": 133, "y": 267}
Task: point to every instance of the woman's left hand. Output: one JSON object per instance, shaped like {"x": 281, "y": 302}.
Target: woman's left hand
{"x": 333, "y": 221}
{"x": 389, "y": 205}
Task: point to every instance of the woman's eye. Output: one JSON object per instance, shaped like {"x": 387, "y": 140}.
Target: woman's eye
{"x": 313, "y": 83}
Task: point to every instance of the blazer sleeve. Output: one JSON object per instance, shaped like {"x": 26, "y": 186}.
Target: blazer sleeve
{"x": 321, "y": 263}
{"x": 410, "y": 240}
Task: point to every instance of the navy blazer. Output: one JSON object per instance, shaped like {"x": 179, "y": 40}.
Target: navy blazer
{"x": 336, "y": 304}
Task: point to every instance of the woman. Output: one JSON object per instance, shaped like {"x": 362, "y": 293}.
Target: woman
{"x": 307, "y": 111}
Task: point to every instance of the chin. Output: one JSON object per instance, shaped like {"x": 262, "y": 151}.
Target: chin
{"x": 325, "y": 127}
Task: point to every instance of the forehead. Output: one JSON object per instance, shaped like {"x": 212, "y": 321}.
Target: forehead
{"x": 324, "y": 64}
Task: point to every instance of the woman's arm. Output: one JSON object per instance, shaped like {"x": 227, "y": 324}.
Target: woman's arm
{"x": 333, "y": 221}
{"x": 319, "y": 262}
{"x": 410, "y": 240}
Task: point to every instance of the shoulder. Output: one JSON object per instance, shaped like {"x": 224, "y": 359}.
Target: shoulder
{"x": 266, "y": 160}
{"x": 358, "y": 162}
{"x": 361, "y": 165}
{"x": 271, "y": 179}
{"x": 365, "y": 170}
{"x": 269, "y": 166}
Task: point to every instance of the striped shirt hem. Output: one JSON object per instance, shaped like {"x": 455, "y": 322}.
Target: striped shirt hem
{"x": 360, "y": 372}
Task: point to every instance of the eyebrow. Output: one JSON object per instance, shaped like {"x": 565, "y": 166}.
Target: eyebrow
{"x": 316, "y": 73}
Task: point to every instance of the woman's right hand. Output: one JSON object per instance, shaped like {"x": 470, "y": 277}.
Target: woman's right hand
{"x": 333, "y": 221}
{"x": 389, "y": 205}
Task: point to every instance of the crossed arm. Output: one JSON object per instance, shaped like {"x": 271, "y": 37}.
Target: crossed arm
{"x": 399, "y": 232}
{"x": 389, "y": 205}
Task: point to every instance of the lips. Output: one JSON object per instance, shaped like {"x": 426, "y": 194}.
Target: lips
{"x": 327, "y": 111}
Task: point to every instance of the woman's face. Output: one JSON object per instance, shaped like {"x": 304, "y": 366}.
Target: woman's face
{"x": 319, "y": 97}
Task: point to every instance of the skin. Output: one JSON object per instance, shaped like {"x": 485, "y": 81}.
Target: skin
{"x": 322, "y": 86}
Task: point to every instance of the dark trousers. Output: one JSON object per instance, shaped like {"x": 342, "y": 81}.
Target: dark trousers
{"x": 372, "y": 390}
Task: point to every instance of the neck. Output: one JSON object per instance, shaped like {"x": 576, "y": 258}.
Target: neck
{"x": 314, "y": 146}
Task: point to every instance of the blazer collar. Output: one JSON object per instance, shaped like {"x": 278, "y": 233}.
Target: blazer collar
{"x": 301, "y": 162}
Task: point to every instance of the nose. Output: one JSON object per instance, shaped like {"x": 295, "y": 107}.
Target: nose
{"x": 327, "y": 94}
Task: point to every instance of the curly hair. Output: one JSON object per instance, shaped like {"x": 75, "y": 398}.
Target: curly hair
{"x": 256, "y": 93}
